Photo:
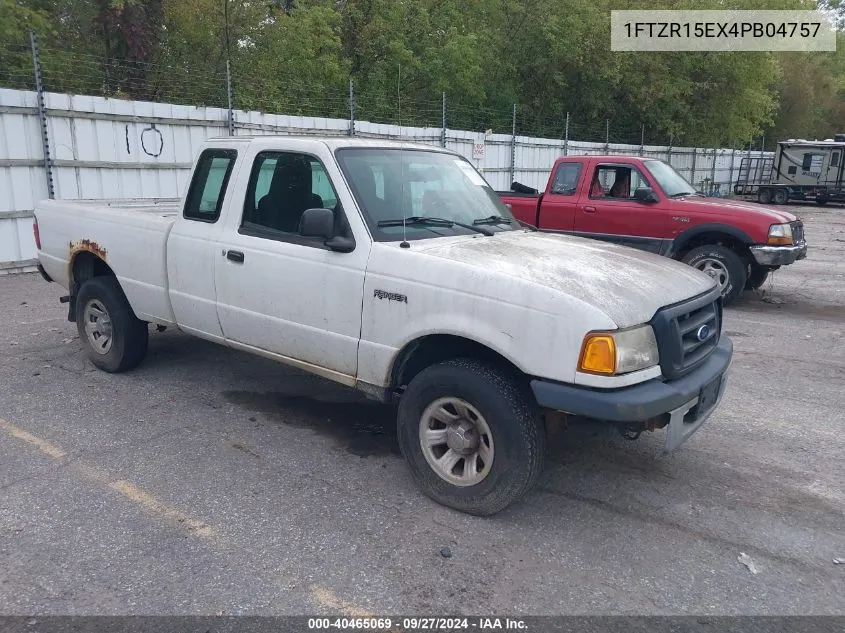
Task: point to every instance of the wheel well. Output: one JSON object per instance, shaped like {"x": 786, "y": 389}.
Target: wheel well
{"x": 714, "y": 237}
{"x": 436, "y": 348}
{"x": 85, "y": 265}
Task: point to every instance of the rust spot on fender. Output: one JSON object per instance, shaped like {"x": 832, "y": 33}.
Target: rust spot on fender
{"x": 84, "y": 246}
{"x": 88, "y": 246}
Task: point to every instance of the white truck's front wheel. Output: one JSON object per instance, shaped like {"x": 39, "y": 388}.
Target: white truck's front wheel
{"x": 472, "y": 437}
{"x": 113, "y": 337}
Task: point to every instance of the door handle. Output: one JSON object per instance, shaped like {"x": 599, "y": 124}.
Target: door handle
{"x": 589, "y": 209}
{"x": 235, "y": 256}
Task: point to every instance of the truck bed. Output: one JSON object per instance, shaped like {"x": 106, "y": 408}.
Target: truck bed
{"x": 130, "y": 235}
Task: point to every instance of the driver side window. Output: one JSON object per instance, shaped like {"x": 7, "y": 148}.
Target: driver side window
{"x": 616, "y": 182}
{"x": 282, "y": 186}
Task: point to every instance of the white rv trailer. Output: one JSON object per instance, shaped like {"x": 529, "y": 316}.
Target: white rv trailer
{"x": 799, "y": 170}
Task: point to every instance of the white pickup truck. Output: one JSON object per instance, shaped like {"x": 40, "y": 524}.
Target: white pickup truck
{"x": 395, "y": 269}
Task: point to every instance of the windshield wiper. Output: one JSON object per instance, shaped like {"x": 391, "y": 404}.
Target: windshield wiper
{"x": 421, "y": 220}
{"x": 688, "y": 193}
{"x": 498, "y": 219}
{"x": 492, "y": 219}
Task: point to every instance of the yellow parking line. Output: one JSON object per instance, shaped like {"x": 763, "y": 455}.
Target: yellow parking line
{"x": 156, "y": 507}
{"x": 161, "y": 510}
{"x": 44, "y": 446}
{"x": 129, "y": 490}
{"x": 332, "y": 601}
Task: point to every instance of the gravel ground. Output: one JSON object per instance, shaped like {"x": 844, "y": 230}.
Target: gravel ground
{"x": 209, "y": 481}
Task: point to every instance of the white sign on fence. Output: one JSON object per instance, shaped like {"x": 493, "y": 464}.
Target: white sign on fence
{"x": 478, "y": 151}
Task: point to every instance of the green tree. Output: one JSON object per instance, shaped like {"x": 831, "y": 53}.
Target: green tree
{"x": 16, "y": 20}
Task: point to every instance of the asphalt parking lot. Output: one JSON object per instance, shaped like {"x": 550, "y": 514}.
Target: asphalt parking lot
{"x": 213, "y": 482}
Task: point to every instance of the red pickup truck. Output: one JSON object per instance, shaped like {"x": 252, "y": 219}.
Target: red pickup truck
{"x": 646, "y": 204}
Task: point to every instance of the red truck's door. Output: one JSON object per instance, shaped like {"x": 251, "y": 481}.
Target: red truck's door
{"x": 560, "y": 202}
{"x": 608, "y": 211}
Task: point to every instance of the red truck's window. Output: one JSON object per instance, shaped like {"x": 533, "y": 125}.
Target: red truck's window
{"x": 208, "y": 186}
{"x": 616, "y": 181}
{"x": 566, "y": 179}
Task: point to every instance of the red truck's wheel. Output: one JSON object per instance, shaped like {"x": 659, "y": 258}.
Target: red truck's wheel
{"x": 757, "y": 277}
{"x": 723, "y": 265}
{"x": 471, "y": 436}
{"x": 113, "y": 337}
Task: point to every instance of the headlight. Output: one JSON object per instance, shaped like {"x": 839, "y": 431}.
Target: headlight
{"x": 780, "y": 235}
{"x": 621, "y": 352}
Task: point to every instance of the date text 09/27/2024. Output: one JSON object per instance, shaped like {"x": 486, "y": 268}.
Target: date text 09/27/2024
{"x": 410, "y": 624}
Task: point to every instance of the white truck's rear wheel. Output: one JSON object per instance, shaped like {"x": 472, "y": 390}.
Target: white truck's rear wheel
{"x": 113, "y": 337}
{"x": 472, "y": 437}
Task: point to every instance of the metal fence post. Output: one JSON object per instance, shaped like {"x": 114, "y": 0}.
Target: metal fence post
{"x": 731, "y": 175}
{"x": 692, "y": 170}
{"x": 42, "y": 114}
{"x": 513, "y": 144}
{"x": 351, "y": 107}
{"x": 607, "y": 136}
{"x": 566, "y": 137}
{"x": 443, "y": 122}
{"x": 230, "y": 117}
{"x": 713, "y": 173}
{"x": 669, "y": 151}
{"x": 642, "y": 140}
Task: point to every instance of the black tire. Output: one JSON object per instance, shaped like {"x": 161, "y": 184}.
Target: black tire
{"x": 516, "y": 430}
{"x": 781, "y": 196}
{"x": 757, "y": 277}
{"x": 128, "y": 335}
{"x": 764, "y": 196}
{"x": 724, "y": 261}
{"x": 821, "y": 201}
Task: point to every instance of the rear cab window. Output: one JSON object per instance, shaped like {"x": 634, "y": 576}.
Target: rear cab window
{"x": 208, "y": 185}
{"x": 566, "y": 178}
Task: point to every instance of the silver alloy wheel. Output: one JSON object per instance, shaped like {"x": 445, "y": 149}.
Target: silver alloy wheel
{"x": 456, "y": 441}
{"x": 716, "y": 269}
{"x": 98, "y": 326}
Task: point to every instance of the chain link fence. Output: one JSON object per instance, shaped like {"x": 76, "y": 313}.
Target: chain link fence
{"x": 220, "y": 84}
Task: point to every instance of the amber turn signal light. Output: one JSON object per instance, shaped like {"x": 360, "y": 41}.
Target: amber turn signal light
{"x": 598, "y": 354}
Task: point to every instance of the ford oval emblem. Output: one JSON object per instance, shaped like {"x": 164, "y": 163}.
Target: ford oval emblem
{"x": 703, "y": 333}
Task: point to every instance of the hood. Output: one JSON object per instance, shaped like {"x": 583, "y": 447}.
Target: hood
{"x": 696, "y": 204}
{"x": 628, "y": 285}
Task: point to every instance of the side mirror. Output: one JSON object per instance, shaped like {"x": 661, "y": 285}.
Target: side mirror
{"x": 320, "y": 223}
{"x": 645, "y": 194}
{"x": 317, "y": 223}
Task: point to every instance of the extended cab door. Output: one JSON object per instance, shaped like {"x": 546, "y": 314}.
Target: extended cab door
{"x": 278, "y": 292}
{"x": 608, "y": 211}
{"x": 560, "y": 202}
{"x": 192, "y": 249}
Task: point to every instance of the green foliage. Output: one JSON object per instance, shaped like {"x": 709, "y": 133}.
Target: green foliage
{"x": 15, "y": 57}
{"x": 549, "y": 57}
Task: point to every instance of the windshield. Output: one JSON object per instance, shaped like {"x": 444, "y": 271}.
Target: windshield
{"x": 392, "y": 184}
{"x": 672, "y": 183}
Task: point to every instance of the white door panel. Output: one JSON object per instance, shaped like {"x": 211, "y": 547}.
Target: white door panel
{"x": 293, "y": 300}
{"x": 282, "y": 293}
